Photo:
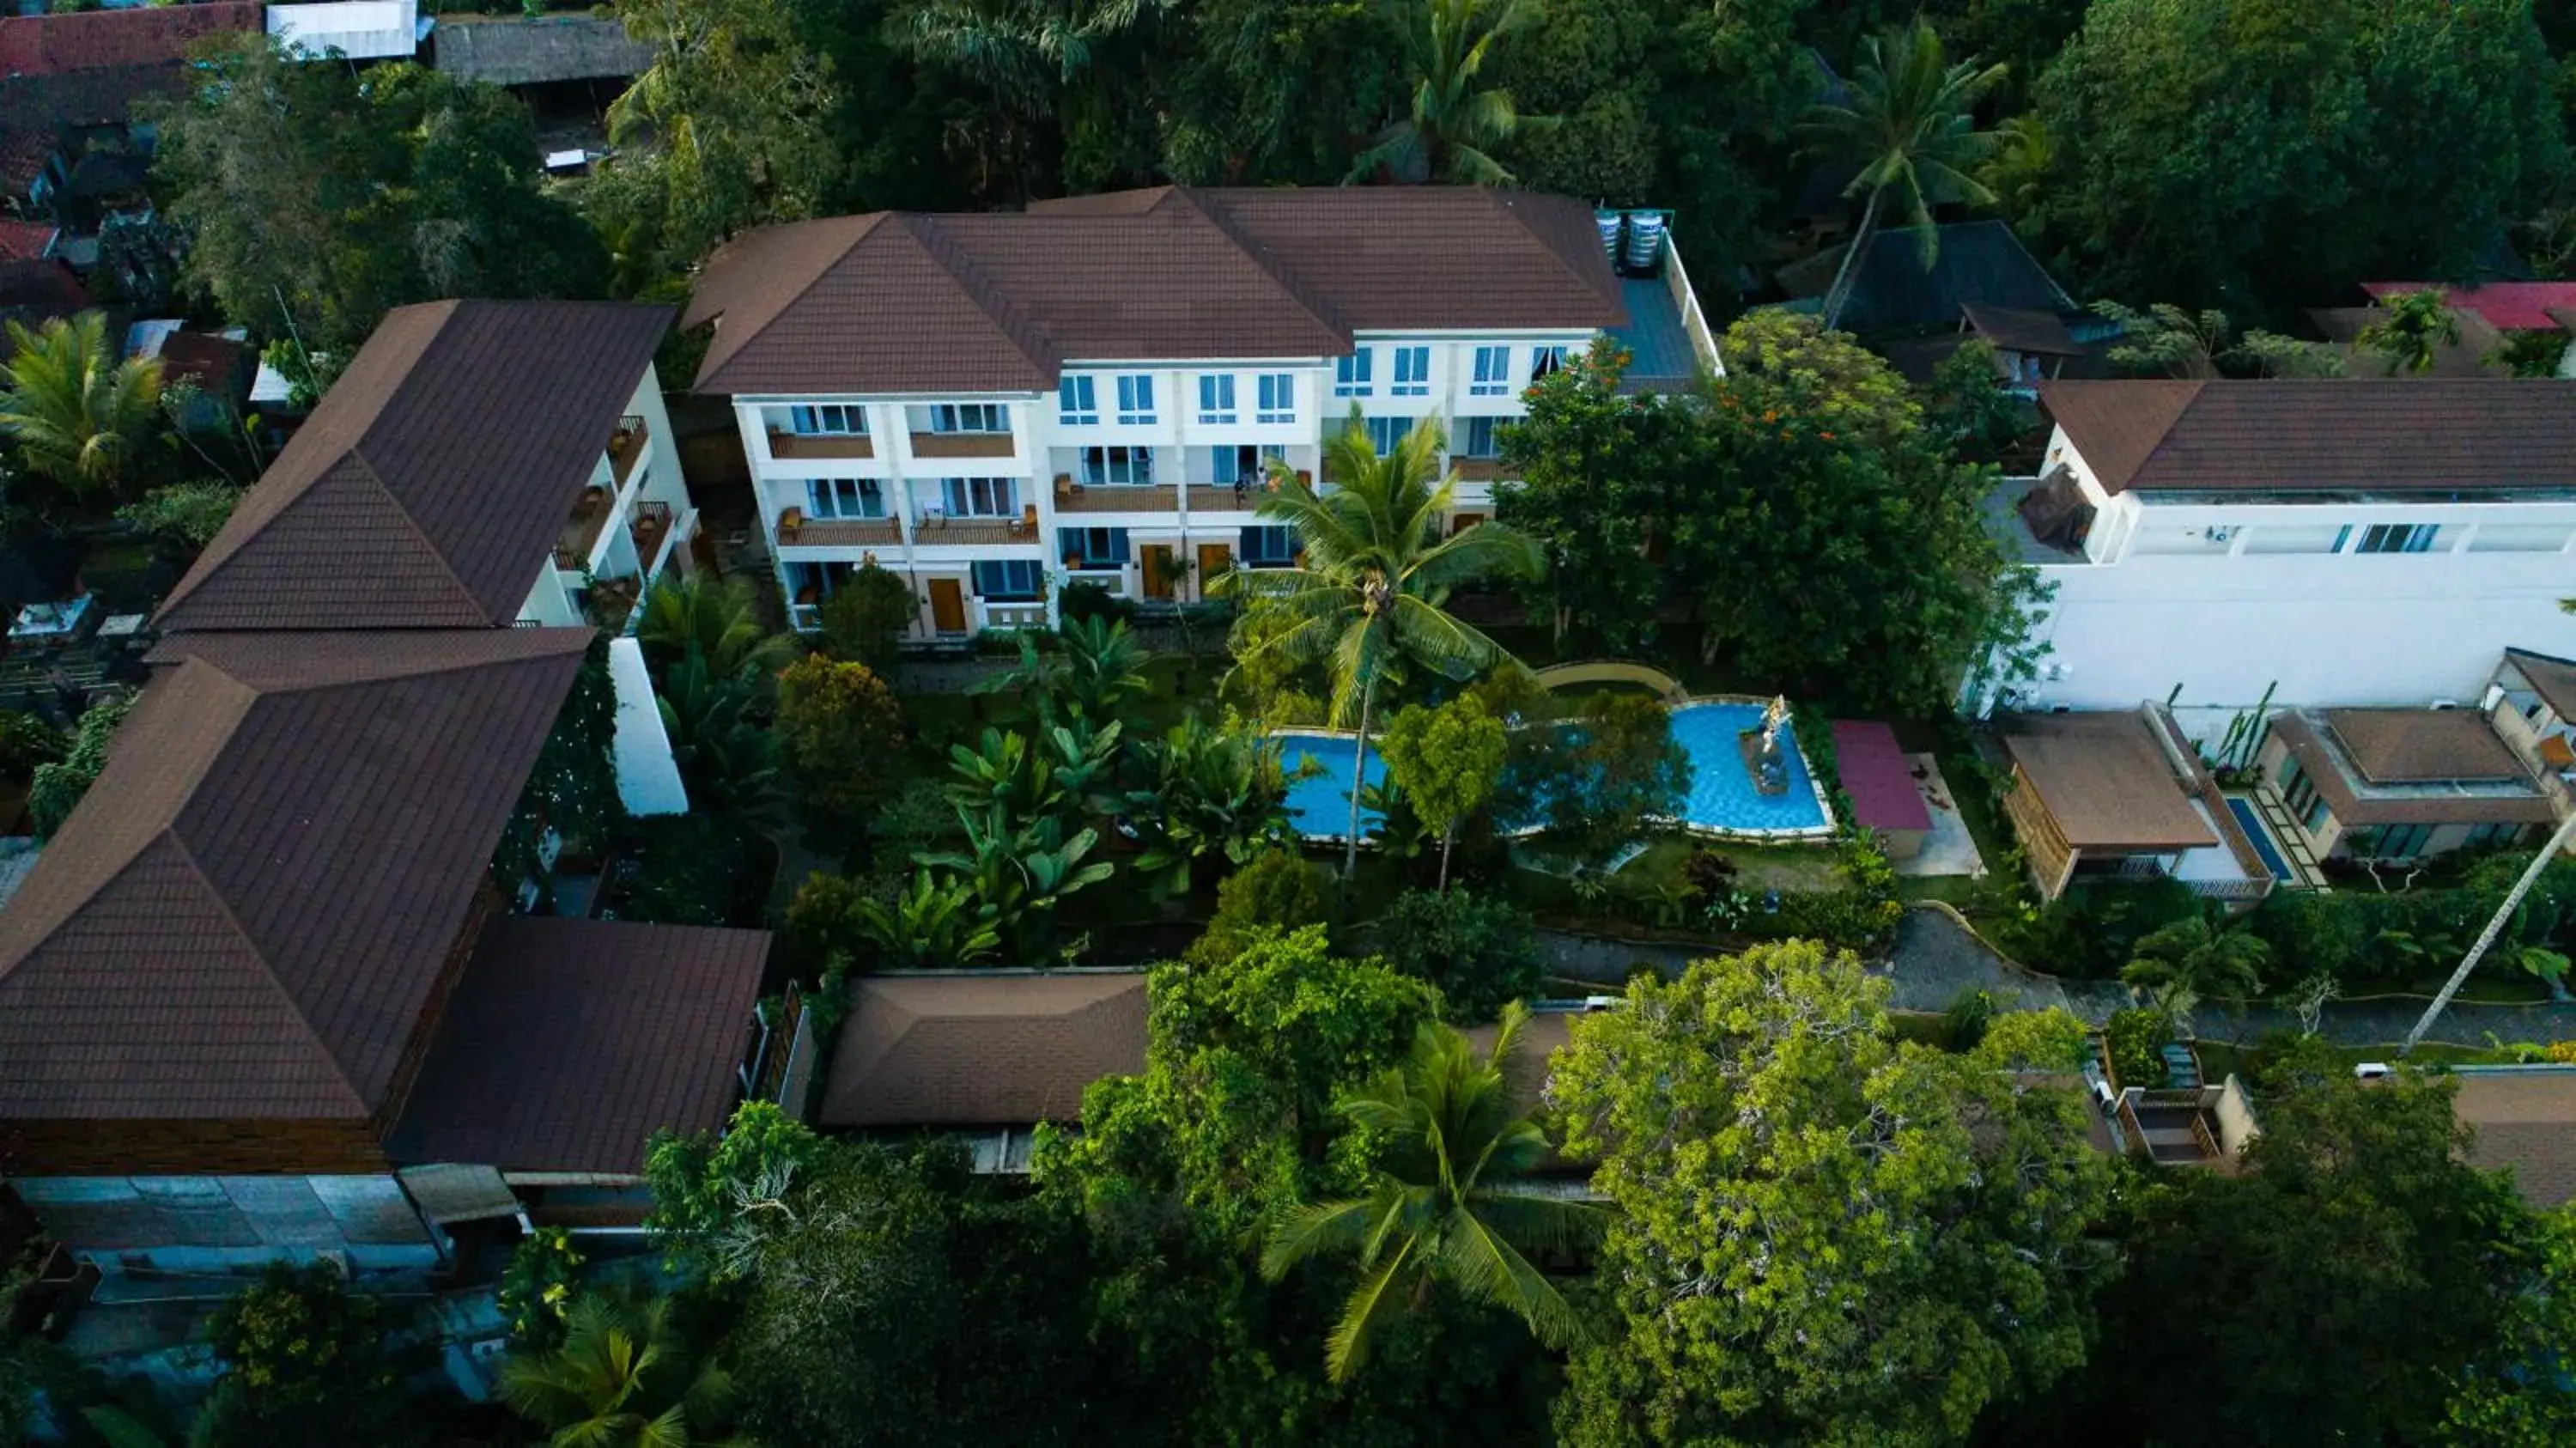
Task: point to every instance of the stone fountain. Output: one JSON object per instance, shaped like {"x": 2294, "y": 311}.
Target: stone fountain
{"x": 1764, "y": 760}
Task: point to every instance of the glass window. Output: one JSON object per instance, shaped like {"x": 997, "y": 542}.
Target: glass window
{"x": 1478, "y": 438}
{"x": 1544, "y": 361}
{"x": 1493, "y": 372}
{"x": 844, "y": 498}
{"x": 1277, "y": 397}
{"x": 983, "y": 417}
{"x": 828, "y": 419}
{"x": 981, "y": 497}
{"x": 1385, "y": 432}
{"x": 2492, "y": 834}
{"x": 1136, "y": 399}
{"x": 2398, "y": 538}
{"x": 1351, "y": 374}
{"x": 1077, "y": 401}
{"x": 1092, "y": 547}
{"x": 1010, "y": 582}
{"x": 1216, "y": 398}
{"x": 1269, "y": 547}
{"x": 1412, "y": 372}
{"x": 1117, "y": 466}
{"x": 2396, "y": 842}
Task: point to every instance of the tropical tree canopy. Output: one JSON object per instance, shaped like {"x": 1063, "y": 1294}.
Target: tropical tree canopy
{"x": 77, "y": 407}
{"x": 1456, "y": 124}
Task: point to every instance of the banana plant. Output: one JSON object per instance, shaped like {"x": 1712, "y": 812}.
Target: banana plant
{"x": 932, "y": 926}
{"x": 1004, "y": 772}
{"x": 1085, "y": 758}
{"x": 1022, "y": 875}
{"x": 1213, "y": 792}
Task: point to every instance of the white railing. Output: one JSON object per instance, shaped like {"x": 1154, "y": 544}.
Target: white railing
{"x": 1014, "y": 615}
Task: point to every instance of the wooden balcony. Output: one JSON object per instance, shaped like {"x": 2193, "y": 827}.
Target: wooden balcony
{"x": 840, "y": 533}
{"x": 626, "y": 447}
{"x": 1117, "y": 498}
{"x": 1476, "y": 470}
{"x": 1207, "y": 498}
{"x": 947, "y": 532}
{"x": 961, "y": 444}
{"x": 807, "y": 445}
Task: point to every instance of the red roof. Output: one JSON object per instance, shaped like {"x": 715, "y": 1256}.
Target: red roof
{"x": 2506, "y": 306}
{"x": 1878, "y": 777}
{"x": 91, "y": 39}
{"x": 25, "y": 240}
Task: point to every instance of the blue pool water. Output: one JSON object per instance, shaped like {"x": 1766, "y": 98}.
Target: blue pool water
{"x": 1721, "y": 796}
{"x": 2252, "y": 824}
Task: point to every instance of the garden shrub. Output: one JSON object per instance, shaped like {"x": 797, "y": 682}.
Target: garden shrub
{"x": 693, "y": 869}
{"x": 1968, "y": 1017}
{"x": 1276, "y": 888}
{"x": 27, "y": 743}
{"x": 1482, "y": 953}
{"x": 56, "y": 789}
{"x": 306, "y": 1363}
{"x": 1080, "y": 601}
{"x": 1863, "y": 916}
{"x": 2093, "y": 929}
{"x": 2134, "y": 1039}
{"x": 865, "y": 618}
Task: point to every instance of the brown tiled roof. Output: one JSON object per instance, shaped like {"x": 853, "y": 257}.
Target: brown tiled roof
{"x": 92, "y": 39}
{"x": 429, "y": 486}
{"x": 991, "y": 1048}
{"x": 2431, "y": 435}
{"x": 2551, "y": 677}
{"x": 569, "y": 1042}
{"x": 2324, "y": 763}
{"x": 26, "y": 240}
{"x": 247, "y": 914}
{"x": 2525, "y": 1120}
{"x": 996, "y": 303}
{"x": 2105, "y": 782}
{"x": 2406, "y": 746}
{"x": 211, "y": 362}
{"x": 2021, "y": 329}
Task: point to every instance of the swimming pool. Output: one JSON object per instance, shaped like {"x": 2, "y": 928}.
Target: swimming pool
{"x": 2252, "y": 824}
{"x": 1720, "y": 801}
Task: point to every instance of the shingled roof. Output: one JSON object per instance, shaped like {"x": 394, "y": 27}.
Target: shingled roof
{"x": 535, "y": 50}
{"x": 92, "y": 39}
{"x": 427, "y": 488}
{"x": 569, "y": 1042}
{"x": 2284, "y": 435}
{"x": 2551, "y": 677}
{"x": 248, "y": 913}
{"x": 900, "y": 302}
{"x": 989, "y": 1048}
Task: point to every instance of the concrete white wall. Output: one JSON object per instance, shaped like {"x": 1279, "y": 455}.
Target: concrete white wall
{"x": 550, "y": 602}
{"x": 648, "y": 778}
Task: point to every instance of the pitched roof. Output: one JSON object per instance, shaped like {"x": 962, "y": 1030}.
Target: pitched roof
{"x": 2357, "y": 800}
{"x": 2551, "y": 677}
{"x": 92, "y": 39}
{"x": 993, "y": 1048}
{"x": 2022, "y": 329}
{"x": 1878, "y": 777}
{"x": 900, "y": 302}
{"x": 26, "y": 240}
{"x": 427, "y": 488}
{"x": 568, "y": 1042}
{"x": 2466, "y": 357}
{"x": 2412, "y": 746}
{"x": 247, "y": 914}
{"x": 2525, "y": 1120}
{"x": 2430, "y": 435}
{"x": 520, "y": 50}
{"x": 2507, "y": 306}
{"x": 1975, "y": 261}
{"x": 2105, "y": 782}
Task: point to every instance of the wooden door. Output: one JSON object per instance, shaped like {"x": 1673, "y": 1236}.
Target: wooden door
{"x": 1464, "y": 521}
{"x": 1214, "y": 558}
{"x": 1158, "y": 572}
{"x": 947, "y": 605}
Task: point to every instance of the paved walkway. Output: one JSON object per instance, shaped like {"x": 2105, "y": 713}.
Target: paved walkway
{"x": 1935, "y": 961}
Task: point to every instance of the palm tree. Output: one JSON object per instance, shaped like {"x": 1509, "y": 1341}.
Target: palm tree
{"x": 624, "y": 1378}
{"x": 1022, "y": 53}
{"x": 78, "y": 410}
{"x": 2181, "y": 963}
{"x": 1454, "y": 126}
{"x": 1911, "y": 125}
{"x": 716, "y": 618}
{"x": 1441, "y": 1208}
{"x": 1370, "y": 592}
{"x": 2559, "y": 840}
{"x": 728, "y": 761}
{"x": 2018, "y": 173}
{"x": 1099, "y": 667}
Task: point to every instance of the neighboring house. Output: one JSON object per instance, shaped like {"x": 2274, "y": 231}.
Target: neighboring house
{"x": 2497, "y": 308}
{"x": 212, "y": 370}
{"x": 2402, "y": 784}
{"x": 56, "y": 43}
{"x": 2231, "y": 545}
{"x": 479, "y": 465}
{"x": 33, "y": 293}
{"x": 994, "y": 406}
{"x": 2030, "y": 346}
{"x": 69, "y": 143}
{"x": 28, "y": 240}
{"x": 985, "y": 1055}
{"x": 1880, "y": 780}
{"x": 511, "y": 52}
{"x": 1979, "y": 263}
{"x": 2467, "y": 357}
{"x": 260, "y": 997}
{"x": 2532, "y": 701}
{"x": 2524, "y": 1118}
{"x": 351, "y": 29}
{"x": 2122, "y": 795}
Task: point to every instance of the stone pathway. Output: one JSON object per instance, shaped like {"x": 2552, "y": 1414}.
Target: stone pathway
{"x": 1935, "y": 960}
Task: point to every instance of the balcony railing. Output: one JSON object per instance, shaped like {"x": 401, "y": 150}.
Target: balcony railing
{"x": 1226, "y": 499}
{"x": 626, "y": 447}
{"x": 935, "y": 530}
{"x": 961, "y": 445}
{"x": 1071, "y": 497}
{"x": 839, "y": 532}
{"x": 1476, "y": 470}
{"x": 799, "y": 445}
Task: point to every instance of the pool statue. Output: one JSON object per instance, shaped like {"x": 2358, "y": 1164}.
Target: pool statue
{"x": 1763, "y": 757}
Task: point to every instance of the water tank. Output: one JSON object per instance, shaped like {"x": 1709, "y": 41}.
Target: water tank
{"x": 1645, "y": 241}
{"x": 1608, "y": 223}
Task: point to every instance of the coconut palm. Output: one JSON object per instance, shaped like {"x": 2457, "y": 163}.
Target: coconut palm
{"x": 1453, "y": 125}
{"x": 1910, "y": 124}
{"x": 1025, "y": 55}
{"x": 77, "y": 408}
{"x": 1441, "y": 1209}
{"x": 2184, "y": 962}
{"x": 624, "y": 1378}
{"x": 2560, "y": 840}
{"x": 717, "y": 618}
{"x": 1367, "y": 596}
{"x": 727, "y": 759}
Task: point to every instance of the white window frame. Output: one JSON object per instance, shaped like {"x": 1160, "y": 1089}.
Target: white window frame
{"x": 1276, "y": 398}
{"x": 843, "y": 498}
{"x": 1118, "y": 552}
{"x": 1135, "y": 399}
{"x": 1216, "y": 397}
{"x": 827, "y": 419}
{"x": 983, "y": 419}
{"x": 1102, "y": 467}
{"x": 980, "y": 497}
{"x": 1077, "y": 401}
{"x": 2407, "y": 538}
{"x": 1467, "y": 428}
{"x": 1037, "y": 571}
{"x": 1351, "y": 374}
{"x": 1243, "y": 544}
{"x": 1493, "y": 372}
{"x": 1412, "y": 372}
{"x": 1546, "y": 361}
{"x": 1385, "y": 433}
